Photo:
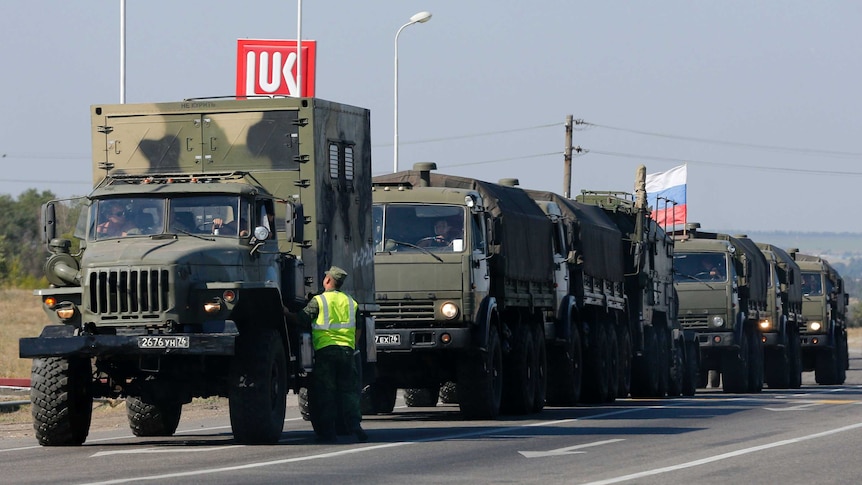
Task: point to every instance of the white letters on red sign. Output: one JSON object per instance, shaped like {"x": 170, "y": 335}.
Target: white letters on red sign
{"x": 268, "y": 67}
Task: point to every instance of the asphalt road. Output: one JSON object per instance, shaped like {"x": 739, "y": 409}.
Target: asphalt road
{"x": 810, "y": 435}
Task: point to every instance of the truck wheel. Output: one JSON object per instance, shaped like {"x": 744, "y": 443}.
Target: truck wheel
{"x": 565, "y": 372}
{"x": 613, "y": 362}
{"x": 449, "y": 393}
{"x": 153, "y": 417}
{"x": 62, "y": 406}
{"x": 663, "y": 360}
{"x": 826, "y": 367}
{"x": 795, "y": 361}
{"x": 676, "y": 371}
{"x": 378, "y": 398}
{"x": 843, "y": 358}
{"x": 480, "y": 380}
{"x": 624, "y": 363}
{"x": 596, "y": 366}
{"x": 257, "y": 393}
{"x": 421, "y": 397}
{"x": 690, "y": 364}
{"x": 755, "y": 362}
{"x": 541, "y": 370}
{"x": 714, "y": 379}
{"x": 776, "y": 365}
{"x": 519, "y": 375}
{"x": 645, "y": 378}
{"x": 734, "y": 366}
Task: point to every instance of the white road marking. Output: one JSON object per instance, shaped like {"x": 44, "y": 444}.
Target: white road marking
{"x": 191, "y": 449}
{"x": 569, "y": 450}
{"x": 724, "y": 456}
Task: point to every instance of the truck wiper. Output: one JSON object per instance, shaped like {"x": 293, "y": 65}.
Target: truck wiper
{"x": 195, "y": 235}
{"x": 696, "y": 278}
{"x": 402, "y": 243}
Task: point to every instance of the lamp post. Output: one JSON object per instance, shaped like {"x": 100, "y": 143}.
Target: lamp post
{"x": 421, "y": 18}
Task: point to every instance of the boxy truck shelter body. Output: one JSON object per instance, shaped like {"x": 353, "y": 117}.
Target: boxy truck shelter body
{"x": 824, "y": 306}
{"x": 174, "y": 309}
{"x": 474, "y": 310}
{"x": 721, "y": 282}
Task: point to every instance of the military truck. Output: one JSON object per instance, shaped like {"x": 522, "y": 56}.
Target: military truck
{"x": 656, "y": 355}
{"x": 782, "y": 354}
{"x": 721, "y": 282}
{"x": 824, "y": 306}
{"x": 472, "y": 307}
{"x": 207, "y": 218}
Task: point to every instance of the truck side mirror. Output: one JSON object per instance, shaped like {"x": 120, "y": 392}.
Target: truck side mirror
{"x": 295, "y": 223}
{"x": 49, "y": 223}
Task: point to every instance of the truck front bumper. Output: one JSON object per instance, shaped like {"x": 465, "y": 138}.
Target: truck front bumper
{"x": 815, "y": 341}
{"x": 122, "y": 345}
{"x": 716, "y": 340}
{"x": 422, "y": 339}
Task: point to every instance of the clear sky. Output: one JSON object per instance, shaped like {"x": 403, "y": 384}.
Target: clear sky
{"x": 761, "y": 99}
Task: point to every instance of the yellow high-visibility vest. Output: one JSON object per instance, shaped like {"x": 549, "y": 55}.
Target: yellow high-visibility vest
{"x": 336, "y": 321}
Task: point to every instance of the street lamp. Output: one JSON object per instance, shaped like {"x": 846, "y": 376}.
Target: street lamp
{"x": 421, "y": 18}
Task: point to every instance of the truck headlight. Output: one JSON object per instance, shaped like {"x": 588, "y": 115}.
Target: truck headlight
{"x": 815, "y": 326}
{"x": 213, "y": 306}
{"x": 717, "y": 321}
{"x": 765, "y": 324}
{"x": 65, "y": 311}
{"x": 449, "y": 310}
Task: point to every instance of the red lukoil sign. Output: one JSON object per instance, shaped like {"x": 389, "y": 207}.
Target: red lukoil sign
{"x": 268, "y": 67}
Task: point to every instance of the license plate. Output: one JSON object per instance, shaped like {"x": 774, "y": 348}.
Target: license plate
{"x": 155, "y": 342}
{"x": 388, "y": 339}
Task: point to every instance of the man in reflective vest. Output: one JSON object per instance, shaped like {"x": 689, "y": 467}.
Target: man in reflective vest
{"x": 332, "y": 316}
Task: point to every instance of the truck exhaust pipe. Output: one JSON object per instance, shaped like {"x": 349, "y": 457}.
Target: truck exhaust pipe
{"x": 424, "y": 169}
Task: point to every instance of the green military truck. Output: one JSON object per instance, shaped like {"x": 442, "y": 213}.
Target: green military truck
{"x": 471, "y": 306}
{"x": 824, "y": 306}
{"x": 721, "y": 281}
{"x": 782, "y": 354}
{"x": 207, "y": 217}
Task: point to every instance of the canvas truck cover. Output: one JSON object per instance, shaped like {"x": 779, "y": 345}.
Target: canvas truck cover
{"x": 786, "y": 262}
{"x": 595, "y": 236}
{"x": 520, "y": 226}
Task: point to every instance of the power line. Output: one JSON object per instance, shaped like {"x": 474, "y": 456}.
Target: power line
{"x": 60, "y": 182}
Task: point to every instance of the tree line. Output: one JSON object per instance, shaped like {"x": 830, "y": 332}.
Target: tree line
{"x": 23, "y": 255}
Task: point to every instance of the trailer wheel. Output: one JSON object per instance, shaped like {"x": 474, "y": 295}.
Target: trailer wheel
{"x": 755, "y": 361}
{"x": 520, "y": 375}
{"x": 624, "y": 338}
{"x": 153, "y": 417}
{"x": 257, "y": 393}
{"x": 645, "y": 379}
{"x": 541, "y": 370}
{"x": 62, "y": 406}
{"x": 734, "y": 366}
{"x": 691, "y": 364}
{"x": 421, "y": 397}
{"x": 480, "y": 380}
{"x": 565, "y": 372}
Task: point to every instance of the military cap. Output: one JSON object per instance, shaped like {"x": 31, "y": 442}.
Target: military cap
{"x": 337, "y": 274}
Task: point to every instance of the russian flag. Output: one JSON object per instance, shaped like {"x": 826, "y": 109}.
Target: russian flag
{"x": 666, "y": 196}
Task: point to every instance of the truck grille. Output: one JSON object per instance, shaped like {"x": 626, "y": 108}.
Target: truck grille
{"x": 128, "y": 293}
{"x": 694, "y": 322}
{"x": 405, "y": 311}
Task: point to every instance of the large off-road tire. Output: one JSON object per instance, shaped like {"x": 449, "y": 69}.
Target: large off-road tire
{"x": 378, "y": 398}
{"x": 480, "y": 380}
{"x": 596, "y": 366}
{"x": 794, "y": 361}
{"x": 676, "y": 373}
{"x": 421, "y": 397}
{"x": 257, "y": 392}
{"x": 776, "y": 365}
{"x": 449, "y": 393}
{"x": 691, "y": 364}
{"x": 624, "y": 364}
{"x": 519, "y": 373}
{"x": 62, "y": 405}
{"x": 565, "y": 372}
{"x": 663, "y": 337}
{"x": 541, "y": 370}
{"x": 645, "y": 378}
{"x": 755, "y": 362}
{"x": 613, "y": 362}
{"x": 831, "y": 364}
{"x": 153, "y": 417}
{"x": 734, "y": 366}
{"x": 843, "y": 358}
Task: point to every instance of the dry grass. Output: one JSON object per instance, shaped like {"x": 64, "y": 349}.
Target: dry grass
{"x": 22, "y": 317}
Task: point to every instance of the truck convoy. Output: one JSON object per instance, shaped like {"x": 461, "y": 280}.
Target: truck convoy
{"x": 782, "y": 354}
{"x": 532, "y": 294}
{"x": 824, "y": 307}
{"x": 207, "y": 217}
{"x": 722, "y": 285}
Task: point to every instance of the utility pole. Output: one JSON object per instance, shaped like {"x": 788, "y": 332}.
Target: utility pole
{"x": 567, "y": 160}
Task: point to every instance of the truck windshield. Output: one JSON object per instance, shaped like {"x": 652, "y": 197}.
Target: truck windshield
{"x": 412, "y": 227}
{"x": 219, "y": 215}
{"x": 811, "y": 284}
{"x": 690, "y": 267}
